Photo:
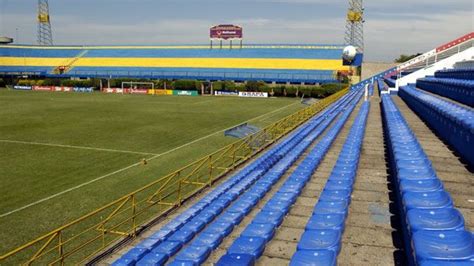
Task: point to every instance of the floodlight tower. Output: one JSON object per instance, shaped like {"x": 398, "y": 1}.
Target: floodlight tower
{"x": 355, "y": 25}
{"x": 45, "y": 35}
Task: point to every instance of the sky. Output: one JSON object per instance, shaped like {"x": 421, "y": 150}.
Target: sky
{"x": 392, "y": 27}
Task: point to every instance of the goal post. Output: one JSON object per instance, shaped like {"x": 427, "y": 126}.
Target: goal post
{"x": 137, "y": 87}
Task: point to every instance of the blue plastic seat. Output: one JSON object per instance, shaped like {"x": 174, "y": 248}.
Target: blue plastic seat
{"x": 446, "y": 263}
{"x": 162, "y": 234}
{"x": 265, "y": 231}
{"x": 182, "y": 263}
{"x": 435, "y": 219}
{"x": 320, "y": 239}
{"x": 218, "y": 227}
{"x": 185, "y": 216}
{"x": 211, "y": 240}
{"x": 195, "y": 225}
{"x": 339, "y": 185}
{"x": 124, "y": 262}
{"x": 341, "y": 175}
{"x": 286, "y": 196}
{"x": 253, "y": 246}
{"x": 335, "y": 195}
{"x": 424, "y": 185}
{"x": 413, "y": 163}
{"x": 182, "y": 235}
{"x": 257, "y": 191}
{"x": 443, "y": 245}
{"x": 291, "y": 187}
{"x": 313, "y": 258}
{"x": 333, "y": 221}
{"x": 426, "y": 200}
{"x": 236, "y": 259}
{"x": 240, "y": 207}
{"x": 153, "y": 259}
{"x": 168, "y": 247}
{"x": 251, "y": 198}
{"x": 227, "y": 199}
{"x": 195, "y": 254}
{"x": 149, "y": 243}
{"x": 133, "y": 255}
{"x": 277, "y": 205}
{"x": 272, "y": 217}
{"x": 215, "y": 208}
{"x": 233, "y": 217}
{"x": 172, "y": 226}
{"x": 326, "y": 207}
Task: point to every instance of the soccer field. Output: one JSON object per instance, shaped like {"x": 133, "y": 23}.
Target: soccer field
{"x": 65, "y": 154}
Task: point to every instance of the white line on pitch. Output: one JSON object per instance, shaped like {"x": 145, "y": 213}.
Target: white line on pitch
{"x": 135, "y": 164}
{"x": 72, "y": 146}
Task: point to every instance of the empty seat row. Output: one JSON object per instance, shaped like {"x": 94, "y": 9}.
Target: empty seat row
{"x": 203, "y": 73}
{"x": 249, "y": 246}
{"x": 382, "y": 86}
{"x": 321, "y": 240}
{"x": 433, "y": 230}
{"x": 456, "y": 74}
{"x": 39, "y": 52}
{"x": 371, "y": 88}
{"x": 247, "y": 201}
{"x": 452, "y": 122}
{"x": 170, "y": 238}
{"x": 459, "y": 90}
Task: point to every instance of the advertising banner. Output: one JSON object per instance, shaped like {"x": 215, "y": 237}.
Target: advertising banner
{"x": 253, "y": 94}
{"x": 42, "y": 88}
{"x": 138, "y": 91}
{"x": 185, "y": 93}
{"x": 226, "y": 93}
{"x": 17, "y": 87}
{"x": 226, "y": 32}
{"x": 83, "y": 89}
{"x": 113, "y": 90}
{"x": 163, "y": 92}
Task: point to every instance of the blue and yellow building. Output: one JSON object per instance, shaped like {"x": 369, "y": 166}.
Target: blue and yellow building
{"x": 271, "y": 63}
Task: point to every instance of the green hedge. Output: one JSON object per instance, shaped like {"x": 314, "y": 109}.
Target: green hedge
{"x": 279, "y": 91}
{"x": 187, "y": 85}
{"x": 282, "y": 90}
{"x": 59, "y": 82}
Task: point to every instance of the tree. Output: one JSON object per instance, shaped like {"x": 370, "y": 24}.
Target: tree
{"x": 403, "y": 58}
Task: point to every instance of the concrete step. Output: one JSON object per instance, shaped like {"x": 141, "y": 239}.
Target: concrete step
{"x": 368, "y": 235}
{"x": 282, "y": 247}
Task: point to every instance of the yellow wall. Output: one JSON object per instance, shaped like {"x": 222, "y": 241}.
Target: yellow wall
{"x": 243, "y": 63}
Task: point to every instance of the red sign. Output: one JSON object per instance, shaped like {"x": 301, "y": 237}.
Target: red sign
{"x": 226, "y": 32}
{"x": 42, "y": 88}
{"x": 138, "y": 91}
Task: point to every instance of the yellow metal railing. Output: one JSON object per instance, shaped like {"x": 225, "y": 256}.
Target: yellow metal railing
{"x": 81, "y": 240}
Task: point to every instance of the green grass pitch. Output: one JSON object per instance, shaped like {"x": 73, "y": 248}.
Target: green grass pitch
{"x": 65, "y": 154}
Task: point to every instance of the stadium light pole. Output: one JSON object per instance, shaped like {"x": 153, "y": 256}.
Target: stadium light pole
{"x": 45, "y": 35}
{"x": 355, "y": 25}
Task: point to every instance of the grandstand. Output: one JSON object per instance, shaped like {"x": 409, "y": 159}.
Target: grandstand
{"x": 385, "y": 179}
{"x": 270, "y": 63}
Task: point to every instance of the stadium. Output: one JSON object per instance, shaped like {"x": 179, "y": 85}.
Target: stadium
{"x": 233, "y": 153}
